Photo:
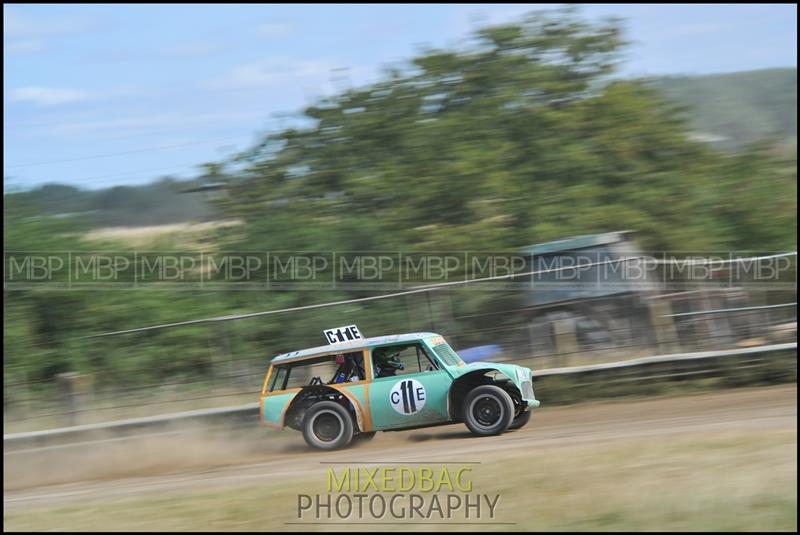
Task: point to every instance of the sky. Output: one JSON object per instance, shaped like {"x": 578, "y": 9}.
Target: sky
{"x": 99, "y": 95}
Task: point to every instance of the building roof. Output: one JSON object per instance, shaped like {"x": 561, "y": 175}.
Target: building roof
{"x": 577, "y": 242}
{"x": 354, "y": 344}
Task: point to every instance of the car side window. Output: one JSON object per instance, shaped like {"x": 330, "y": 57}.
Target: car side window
{"x": 401, "y": 359}
{"x": 278, "y": 378}
{"x": 335, "y": 368}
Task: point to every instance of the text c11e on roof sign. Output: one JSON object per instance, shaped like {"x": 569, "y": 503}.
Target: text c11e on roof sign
{"x": 342, "y": 334}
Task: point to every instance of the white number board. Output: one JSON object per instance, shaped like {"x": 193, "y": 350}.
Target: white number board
{"x": 342, "y": 334}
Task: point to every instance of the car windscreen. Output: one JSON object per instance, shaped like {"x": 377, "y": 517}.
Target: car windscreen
{"x": 447, "y": 354}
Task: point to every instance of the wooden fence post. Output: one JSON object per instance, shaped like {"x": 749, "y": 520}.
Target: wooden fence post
{"x": 75, "y": 390}
{"x": 664, "y": 325}
{"x": 566, "y": 339}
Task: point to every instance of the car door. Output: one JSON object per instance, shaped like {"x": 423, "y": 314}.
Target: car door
{"x": 413, "y": 396}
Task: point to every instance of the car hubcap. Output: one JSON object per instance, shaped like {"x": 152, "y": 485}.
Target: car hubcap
{"x": 487, "y": 411}
{"x": 327, "y": 426}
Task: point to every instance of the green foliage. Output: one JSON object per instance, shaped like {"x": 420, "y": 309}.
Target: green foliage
{"x": 524, "y": 136}
{"x": 729, "y": 372}
{"x": 521, "y": 138}
{"x": 160, "y": 202}
{"x": 740, "y": 108}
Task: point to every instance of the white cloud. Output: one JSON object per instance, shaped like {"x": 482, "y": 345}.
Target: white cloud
{"x": 691, "y": 29}
{"x": 48, "y": 96}
{"x": 185, "y": 51}
{"x": 275, "y": 72}
{"x": 132, "y": 126}
{"x": 23, "y": 46}
{"x": 192, "y": 50}
{"x": 26, "y": 34}
{"x": 272, "y": 30}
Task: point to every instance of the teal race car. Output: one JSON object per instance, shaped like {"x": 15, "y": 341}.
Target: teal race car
{"x": 354, "y": 387}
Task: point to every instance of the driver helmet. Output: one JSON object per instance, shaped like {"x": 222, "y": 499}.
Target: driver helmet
{"x": 391, "y": 361}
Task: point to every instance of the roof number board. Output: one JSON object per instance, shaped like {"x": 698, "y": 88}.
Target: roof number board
{"x": 342, "y": 334}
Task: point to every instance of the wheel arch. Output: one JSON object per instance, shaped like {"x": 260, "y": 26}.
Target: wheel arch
{"x": 310, "y": 395}
{"x": 462, "y": 385}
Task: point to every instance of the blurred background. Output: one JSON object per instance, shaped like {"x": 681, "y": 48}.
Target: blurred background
{"x": 546, "y": 134}
{"x": 192, "y": 189}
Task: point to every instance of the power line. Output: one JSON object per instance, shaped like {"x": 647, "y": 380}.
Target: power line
{"x": 111, "y": 154}
{"x": 145, "y": 173}
{"x": 433, "y": 287}
{"x": 120, "y": 122}
{"x": 701, "y": 312}
{"x": 128, "y": 173}
{"x": 238, "y": 359}
{"x": 455, "y": 334}
{"x": 681, "y": 340}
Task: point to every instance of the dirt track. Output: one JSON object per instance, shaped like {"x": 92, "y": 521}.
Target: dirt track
{"x": 282, "y": 460}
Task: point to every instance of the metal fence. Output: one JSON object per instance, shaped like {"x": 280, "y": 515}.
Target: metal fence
{"x": 658, "y": 368}
{"x": 225, "y": 361}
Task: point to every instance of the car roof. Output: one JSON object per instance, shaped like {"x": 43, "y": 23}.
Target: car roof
{"x": 351, "y": 345}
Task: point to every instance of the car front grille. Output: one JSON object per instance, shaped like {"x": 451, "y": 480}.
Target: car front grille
{"x": 527, "y": 390}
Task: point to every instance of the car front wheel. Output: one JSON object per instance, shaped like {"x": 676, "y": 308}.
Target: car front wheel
{"x": 488, "y": 410}
{"x": 327, "y": 426}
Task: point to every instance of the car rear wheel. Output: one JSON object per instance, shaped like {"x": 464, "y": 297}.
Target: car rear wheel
{"x": 520, "y": 420}
{"x": 327, "y": 426}
{"x": 488, "y": 410}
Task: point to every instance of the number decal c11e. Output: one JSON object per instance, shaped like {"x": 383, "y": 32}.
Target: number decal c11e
{"x": 342, "y": 334}
{"x": 407, "y": 396}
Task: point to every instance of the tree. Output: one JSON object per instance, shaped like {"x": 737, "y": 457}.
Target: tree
{"x": 523, "y": 136}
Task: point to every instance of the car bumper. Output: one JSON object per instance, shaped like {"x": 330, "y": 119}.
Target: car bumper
{"x": 532, "y": 403}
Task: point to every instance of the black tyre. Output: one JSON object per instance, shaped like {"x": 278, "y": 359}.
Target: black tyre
{"x": 488, "y": 410}
{"x": 327, "y": 426}
{"x": 520, "y": 420}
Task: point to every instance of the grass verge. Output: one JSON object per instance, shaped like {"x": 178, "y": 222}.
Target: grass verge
{"x": 730, "y": 480}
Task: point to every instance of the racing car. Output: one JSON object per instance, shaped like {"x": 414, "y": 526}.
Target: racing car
{"x": 355, "y": 386}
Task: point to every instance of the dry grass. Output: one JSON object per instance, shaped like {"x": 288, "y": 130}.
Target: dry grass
{"x": 135, "y": 237}
{"x": 178, "y": 449}
{"x": 110, "y": 408}
{"x": 731, "y": 480}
